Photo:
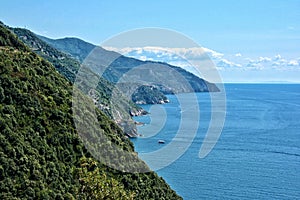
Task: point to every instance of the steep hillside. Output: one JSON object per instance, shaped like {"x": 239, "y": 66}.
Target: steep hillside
{"x": 68, "y": 67}
{"x": 77, "y": 48}
{"x": 42, "y": 156}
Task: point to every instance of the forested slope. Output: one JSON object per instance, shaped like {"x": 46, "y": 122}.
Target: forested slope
{"x": 41, "y": 154}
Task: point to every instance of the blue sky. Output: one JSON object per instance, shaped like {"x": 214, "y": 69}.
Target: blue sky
{"x": 253, "y": 29}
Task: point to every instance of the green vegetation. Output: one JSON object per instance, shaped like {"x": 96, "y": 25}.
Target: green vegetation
{"x": 148, "y": 95}
{"x": 94, "y": 183}
{"x": 119, "y": 109}
{"x": 65, "y": 65}
{"x": 41, "y": 154}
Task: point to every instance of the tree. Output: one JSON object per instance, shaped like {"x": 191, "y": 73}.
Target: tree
{"x": 96, "y": 185}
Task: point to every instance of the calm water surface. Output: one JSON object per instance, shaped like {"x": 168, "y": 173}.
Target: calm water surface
{"x": 257, "y": 155}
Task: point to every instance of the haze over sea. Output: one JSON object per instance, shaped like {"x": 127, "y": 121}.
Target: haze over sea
{"x": 257, "y": 155}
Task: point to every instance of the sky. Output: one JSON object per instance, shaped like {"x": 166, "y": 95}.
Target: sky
{"x": 257, "y": 40}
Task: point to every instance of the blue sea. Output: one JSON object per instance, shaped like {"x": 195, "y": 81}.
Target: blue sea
{"x": 257, "y": 155}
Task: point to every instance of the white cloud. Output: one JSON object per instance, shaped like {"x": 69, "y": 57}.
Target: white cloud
{"x": 183, "y": 57}
{"x": 278, "y": 57}
{"x": 254, "y": 65}
{"x": 226, "y": 63}
{"x": 277, "y": 63}
{"x": 188, "y": 53}
{"x": 264, "y": 59}
{"x": 293, "y": 63}
{"x": 143, "y": 58}
{"x": 213, "y": 53}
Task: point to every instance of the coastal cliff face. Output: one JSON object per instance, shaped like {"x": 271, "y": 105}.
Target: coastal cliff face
{"x": 42, "y": 156}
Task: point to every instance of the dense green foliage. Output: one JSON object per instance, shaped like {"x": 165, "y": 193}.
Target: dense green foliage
{"x": 65, "y": 65}
{"x": 148, "y": 95}
{"x": 41, "y": 154}
{"x": 68, "y": 67}
{"x": 94, "y": 183}
{"x": 8, "y": 39}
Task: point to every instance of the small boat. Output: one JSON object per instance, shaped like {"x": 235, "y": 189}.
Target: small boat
{"x": 161, "y": 142}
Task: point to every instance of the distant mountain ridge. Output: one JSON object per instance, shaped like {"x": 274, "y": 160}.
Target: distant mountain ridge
{"x": 75, "y": 47}
{"x": 80, "y": 49}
